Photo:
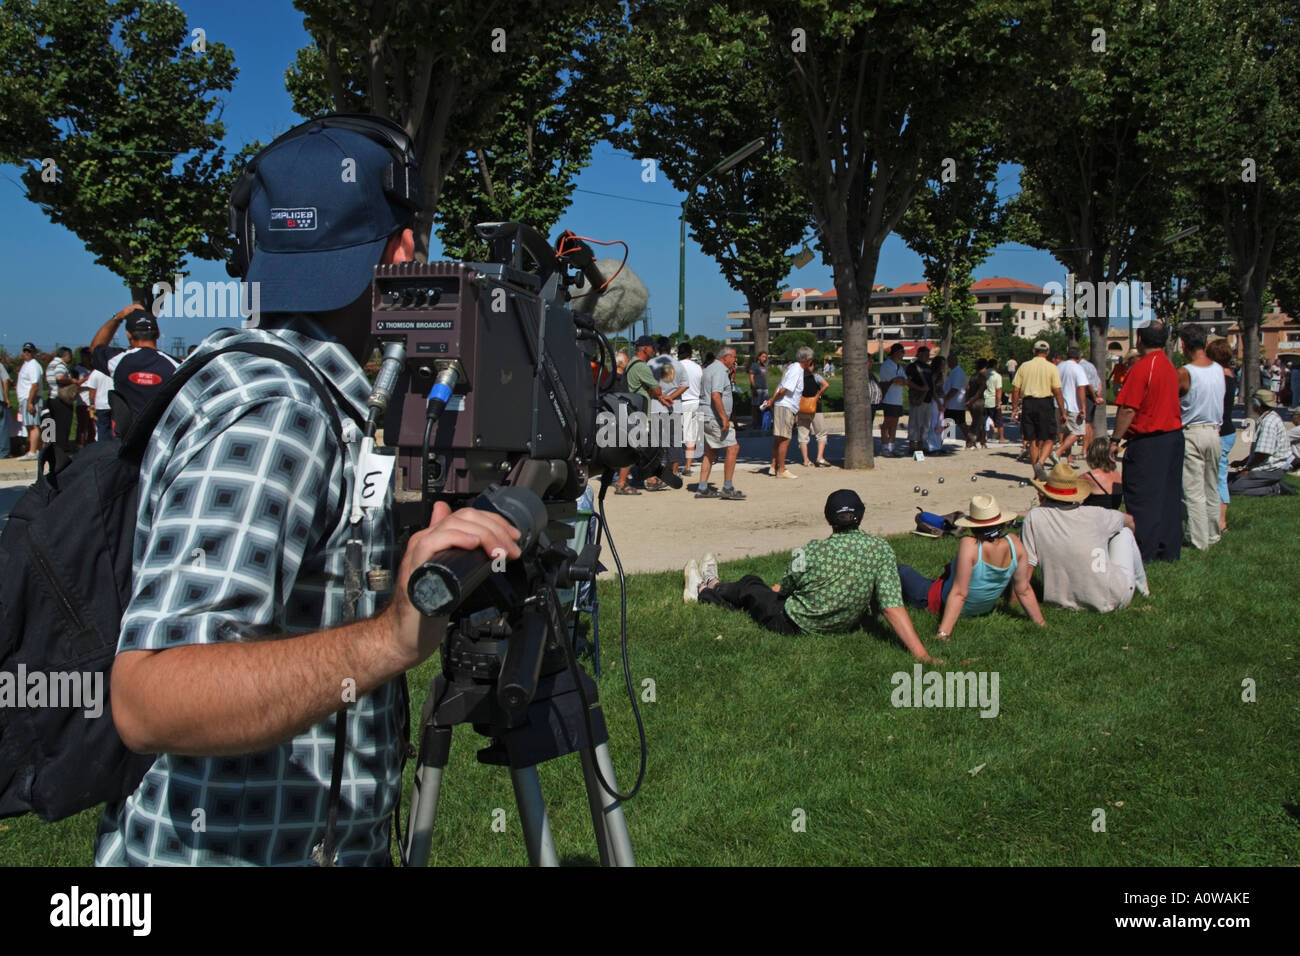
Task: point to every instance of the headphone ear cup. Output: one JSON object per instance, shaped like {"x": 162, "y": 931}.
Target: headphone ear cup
{"x": 241, "y": 252}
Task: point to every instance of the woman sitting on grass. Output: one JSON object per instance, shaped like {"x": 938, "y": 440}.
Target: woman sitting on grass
{"x": 988, "y": 562}
{"x": 1104, "y": 476}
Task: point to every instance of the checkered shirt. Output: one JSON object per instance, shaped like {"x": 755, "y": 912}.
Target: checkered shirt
{"x": 1271, "y": 440}
{"x": 241, "y": 535}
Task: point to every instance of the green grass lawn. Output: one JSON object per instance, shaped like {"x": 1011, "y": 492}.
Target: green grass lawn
{"x": 1138, "y": 713}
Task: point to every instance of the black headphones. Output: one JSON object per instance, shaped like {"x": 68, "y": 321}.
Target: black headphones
{"x": 402, "y": 182}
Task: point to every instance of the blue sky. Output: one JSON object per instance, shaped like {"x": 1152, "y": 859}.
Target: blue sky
{"x": 55, "y": 294}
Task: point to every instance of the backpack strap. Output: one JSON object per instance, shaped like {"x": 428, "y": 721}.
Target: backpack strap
{"x": 137, "y": 436}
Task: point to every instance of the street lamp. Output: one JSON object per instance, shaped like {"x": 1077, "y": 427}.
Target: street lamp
{"x": 734, "y": 159}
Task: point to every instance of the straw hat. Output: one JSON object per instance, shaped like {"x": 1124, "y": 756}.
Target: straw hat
{"x": 1063, "y": 485}
{"x": 1265, "y": 398}
{"x": 984, "y": 513}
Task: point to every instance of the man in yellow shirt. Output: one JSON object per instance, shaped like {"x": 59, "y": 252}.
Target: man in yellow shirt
{"x": 1038, "y": 384}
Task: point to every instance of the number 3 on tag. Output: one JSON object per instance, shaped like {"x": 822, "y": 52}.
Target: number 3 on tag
{"x": 375, "y": 474}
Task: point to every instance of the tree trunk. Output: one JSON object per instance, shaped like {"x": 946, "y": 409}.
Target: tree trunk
{"x": 1252, "y": 309}
{"x": 859, "y": 445}
{"x": 945, "y": 340}
{"x": 1098, "y": 326}
{"x": 758, "y": 322}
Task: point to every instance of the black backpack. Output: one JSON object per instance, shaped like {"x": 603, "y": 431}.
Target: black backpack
{"x": 619, "y": 381}
{"x": 66, "y": 564}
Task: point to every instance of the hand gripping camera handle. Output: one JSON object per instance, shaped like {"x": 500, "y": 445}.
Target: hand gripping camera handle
{"x": 438, "y": 586}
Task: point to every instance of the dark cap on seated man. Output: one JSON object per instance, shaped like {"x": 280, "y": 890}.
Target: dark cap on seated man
{"x": 844, "y": 510}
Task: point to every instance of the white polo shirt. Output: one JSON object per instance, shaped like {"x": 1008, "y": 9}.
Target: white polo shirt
{"x": 792, "y": 382}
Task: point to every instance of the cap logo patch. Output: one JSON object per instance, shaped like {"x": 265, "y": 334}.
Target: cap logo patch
{"x": 298, "y": 218}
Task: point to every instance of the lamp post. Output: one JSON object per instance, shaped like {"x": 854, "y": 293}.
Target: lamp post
{"x": 721, "y": 167}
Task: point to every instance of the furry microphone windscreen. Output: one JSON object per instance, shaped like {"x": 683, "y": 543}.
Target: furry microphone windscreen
{"x": 622, "y": 303}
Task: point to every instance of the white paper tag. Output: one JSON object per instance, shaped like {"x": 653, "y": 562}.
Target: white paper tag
{"x": 374, "y": 476}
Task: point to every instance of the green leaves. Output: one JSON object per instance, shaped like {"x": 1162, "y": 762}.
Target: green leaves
{"x": 498, "y": 89}
{"x": 112, "y": 95}
{"x": 700, "y": 95}
{"x": 954, "y": 223}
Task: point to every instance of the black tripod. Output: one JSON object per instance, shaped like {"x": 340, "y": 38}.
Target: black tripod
{"x": 511, "y": 675}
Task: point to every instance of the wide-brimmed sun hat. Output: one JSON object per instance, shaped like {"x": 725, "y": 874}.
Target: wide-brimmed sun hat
{"x": 984, "y": 513}
{"x": 1063, "y": 484}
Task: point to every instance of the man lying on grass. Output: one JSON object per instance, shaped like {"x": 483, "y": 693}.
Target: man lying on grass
{"x": 831, "y": 585}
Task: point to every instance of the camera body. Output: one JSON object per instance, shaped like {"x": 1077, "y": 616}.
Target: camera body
{"x": 524, "y": 387}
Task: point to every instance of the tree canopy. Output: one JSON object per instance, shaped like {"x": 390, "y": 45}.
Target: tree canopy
{"x": 112, "y": 107}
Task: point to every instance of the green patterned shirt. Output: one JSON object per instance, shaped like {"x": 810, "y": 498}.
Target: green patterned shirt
{"x": 832, "y": 581}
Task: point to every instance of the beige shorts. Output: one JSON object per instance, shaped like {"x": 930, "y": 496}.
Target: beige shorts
{"x": 783, "y": 421}
{"x": 713, "y": 437}
{"x": 813, "y": 422}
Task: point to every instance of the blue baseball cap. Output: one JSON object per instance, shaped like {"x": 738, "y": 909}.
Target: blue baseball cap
{"x": 321, "y": 219}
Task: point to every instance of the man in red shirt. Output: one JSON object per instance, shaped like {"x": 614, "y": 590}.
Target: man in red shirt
{"x": 1150, "y": 422}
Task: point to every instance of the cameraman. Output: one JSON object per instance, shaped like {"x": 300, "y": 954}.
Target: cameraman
{"x": 234, "y": 653}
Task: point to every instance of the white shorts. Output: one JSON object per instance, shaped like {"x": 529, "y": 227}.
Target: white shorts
{"x": 1073, "y": 427}
{"x": 691, "y": 422}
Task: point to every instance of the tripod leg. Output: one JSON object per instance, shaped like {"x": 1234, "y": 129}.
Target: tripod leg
{"x": 434, "y": 750}
{"x": 532, "y": 814}
{"x": 594, "y": 792}
{"x": 606, "y": 811}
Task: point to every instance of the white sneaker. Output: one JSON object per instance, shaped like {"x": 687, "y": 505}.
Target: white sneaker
{"x": 691, "y": 592}
{"x": 30, "y": 456}
{"x": 709, "y": 569}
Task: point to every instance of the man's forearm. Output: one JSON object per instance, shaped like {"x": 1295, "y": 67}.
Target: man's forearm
{"x": 901, "y": 622}
{"x": 1123, "y": 418}
{"x": 244, "y": 697}
{"x": 718, "y": 409}
{"x": 105, "y": 333}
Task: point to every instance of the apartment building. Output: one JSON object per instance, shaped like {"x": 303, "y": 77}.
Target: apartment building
{"x": 1279, "y": 332}
{"x": 897, "y": 314}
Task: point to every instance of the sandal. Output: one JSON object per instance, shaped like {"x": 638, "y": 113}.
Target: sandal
{"x": 625, "y": 490}
{"x": 654, "y": 484}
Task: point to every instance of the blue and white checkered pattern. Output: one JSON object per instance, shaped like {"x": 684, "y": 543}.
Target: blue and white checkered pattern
{"x": 242, "y": 535}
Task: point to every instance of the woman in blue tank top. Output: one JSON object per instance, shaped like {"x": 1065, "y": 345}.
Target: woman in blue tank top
{"x": 988, "y": 562}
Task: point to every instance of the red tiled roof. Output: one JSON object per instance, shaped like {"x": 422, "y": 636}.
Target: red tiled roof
{"x": 791, "y": 294}
{"x": 999, "y": 282}
{"x": 911, "y": 288}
